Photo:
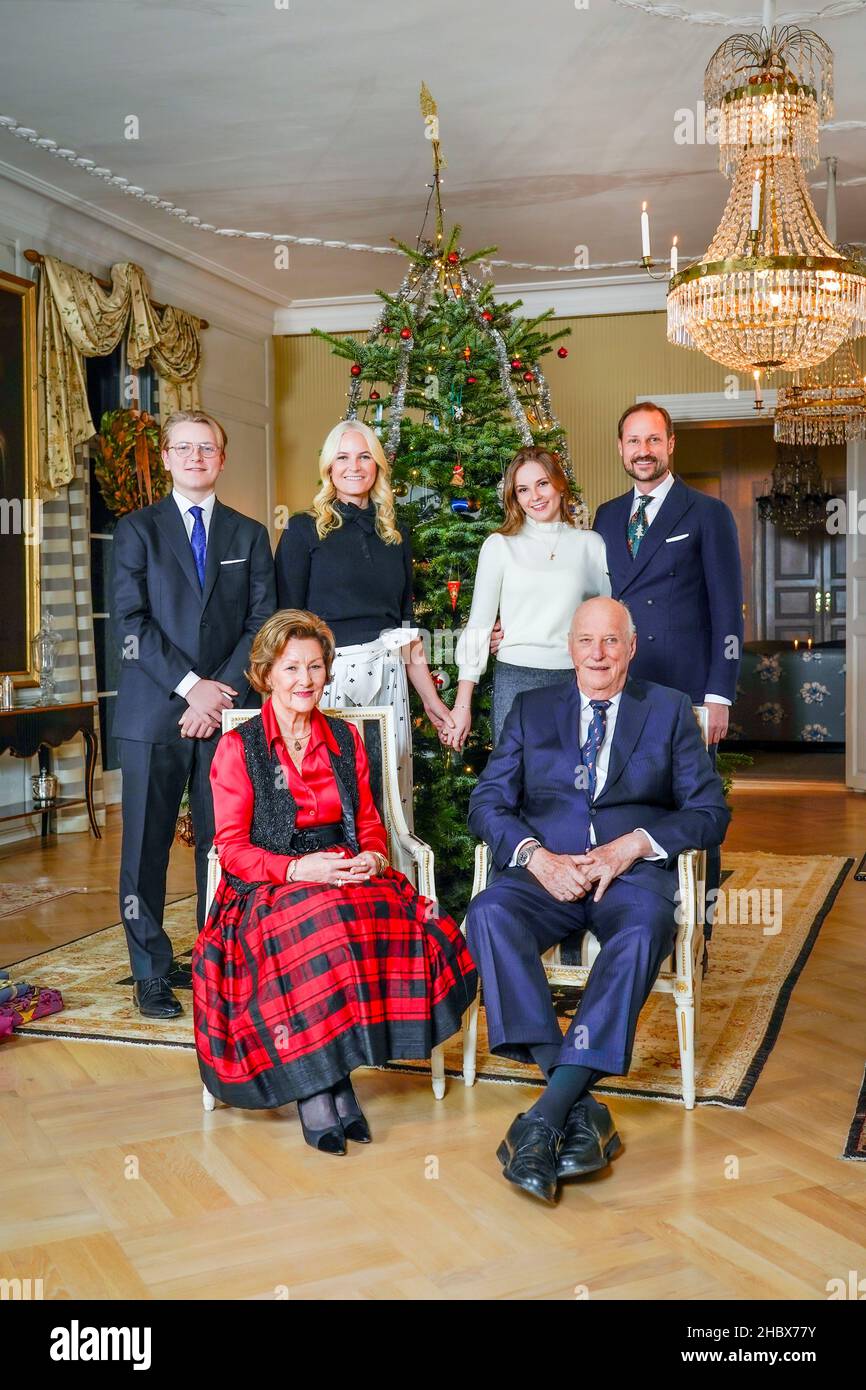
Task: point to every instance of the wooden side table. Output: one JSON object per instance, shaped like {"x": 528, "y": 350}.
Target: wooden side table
{"x": 29, "y": 729}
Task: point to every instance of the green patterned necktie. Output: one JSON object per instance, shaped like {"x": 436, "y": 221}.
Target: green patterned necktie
{"x": 637, "y": 526}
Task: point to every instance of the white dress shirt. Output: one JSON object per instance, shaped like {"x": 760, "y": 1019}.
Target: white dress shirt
{"x": 207, "y": 505}
{"x": 656, "y": 497}
{"x": 601, "y": 767}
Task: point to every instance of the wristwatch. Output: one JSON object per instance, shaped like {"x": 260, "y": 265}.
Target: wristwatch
{"x": 525, "y": 853}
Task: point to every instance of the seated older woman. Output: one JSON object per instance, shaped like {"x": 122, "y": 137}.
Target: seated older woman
{"x": 316, "y": 957}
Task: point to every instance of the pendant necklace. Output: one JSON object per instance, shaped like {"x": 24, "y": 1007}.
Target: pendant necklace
{"x": 545, "y": 543}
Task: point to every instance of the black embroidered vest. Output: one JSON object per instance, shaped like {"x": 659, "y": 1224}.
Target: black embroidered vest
{"x": 274, "y": 808}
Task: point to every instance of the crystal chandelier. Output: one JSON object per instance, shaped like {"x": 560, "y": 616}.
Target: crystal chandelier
{"x": 826, "y": 405}
{"x": 771, "y": 92}
{"x": 772, "y": 291}
{"x": 796, "y": 498}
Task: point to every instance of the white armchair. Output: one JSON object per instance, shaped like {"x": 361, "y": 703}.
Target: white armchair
{"x": 406, "y": 851}
{"x": 681, "y": 975}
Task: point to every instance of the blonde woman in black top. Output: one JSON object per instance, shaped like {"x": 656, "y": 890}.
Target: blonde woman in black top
{"x": 347, "y": 560}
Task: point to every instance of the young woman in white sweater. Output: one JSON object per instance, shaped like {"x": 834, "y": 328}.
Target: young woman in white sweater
{"x": 533, "y": 573}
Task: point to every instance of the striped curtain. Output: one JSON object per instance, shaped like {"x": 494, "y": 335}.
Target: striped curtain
{"x": 66, "y": 593}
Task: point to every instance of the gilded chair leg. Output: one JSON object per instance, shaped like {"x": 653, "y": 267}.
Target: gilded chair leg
{"x": 698, "y": 991}
{"x": 437, "y": 1069}
{"x": 470, "y": 1041}
{"x": 686, "y": 1037}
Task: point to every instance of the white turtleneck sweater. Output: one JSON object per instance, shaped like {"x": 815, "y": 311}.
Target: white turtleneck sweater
{"x": 534, "y": 596}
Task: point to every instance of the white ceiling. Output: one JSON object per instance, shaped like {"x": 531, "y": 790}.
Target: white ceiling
{"x": 556, "y": 122}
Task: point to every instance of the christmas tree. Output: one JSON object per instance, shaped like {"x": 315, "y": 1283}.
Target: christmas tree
{"x": 452, "y": 383}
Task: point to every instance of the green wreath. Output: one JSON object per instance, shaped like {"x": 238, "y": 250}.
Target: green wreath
{"x": 128, "y": 467}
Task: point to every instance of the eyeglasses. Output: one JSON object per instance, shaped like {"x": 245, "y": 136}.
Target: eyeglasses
{"x": 185, "y": 451}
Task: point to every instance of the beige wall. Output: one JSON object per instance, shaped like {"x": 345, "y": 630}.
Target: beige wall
{"x": 611, "y": 359}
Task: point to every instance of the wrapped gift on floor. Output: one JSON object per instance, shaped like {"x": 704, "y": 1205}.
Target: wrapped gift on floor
{"x": 22, "y": 1003}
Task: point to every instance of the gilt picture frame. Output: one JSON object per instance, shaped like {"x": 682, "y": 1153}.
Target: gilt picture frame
{"x": 20, "y": 505}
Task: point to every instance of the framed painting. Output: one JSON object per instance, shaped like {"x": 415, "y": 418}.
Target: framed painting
{"x": 20, "y": 506}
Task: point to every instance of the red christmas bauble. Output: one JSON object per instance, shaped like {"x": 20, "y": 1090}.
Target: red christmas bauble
{"x": 355, "y": 369}
{"x": 405, "y": 333}
{"x": 471, "y": 380}
{"x": 386, "y": 328}
{"x": 527, "y": 376}
{"x": 562, "y": 352}
{"x": 374, "y": 395}
{"x": 516, "y": 364}
{"x": 453, "y": 258}
{"x": 487, "y": 316}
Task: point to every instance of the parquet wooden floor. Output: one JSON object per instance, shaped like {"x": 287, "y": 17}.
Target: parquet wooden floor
{"x": 115, "y": 1184}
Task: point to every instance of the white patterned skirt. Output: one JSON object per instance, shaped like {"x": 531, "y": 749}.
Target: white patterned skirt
{"x": 374, "y": 673}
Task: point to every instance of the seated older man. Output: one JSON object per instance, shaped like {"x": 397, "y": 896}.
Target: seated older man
{"x": 594, "y": 788}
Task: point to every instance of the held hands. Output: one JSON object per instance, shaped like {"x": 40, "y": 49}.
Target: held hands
{"x": 560, "y": 875}
{"x": 208, "y": 699}
{"x": 462, "y": 716}
{"x": 193, "y": 726}
{"x": 441, "y": 718}
{"x": 568, "y": 877}
{"x": 604, "y": 863}
{"x": 334, "y": 868}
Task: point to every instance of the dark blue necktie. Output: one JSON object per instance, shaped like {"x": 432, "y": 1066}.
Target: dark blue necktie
{"x": 589, "y": 751}
{"x": 198, "y": 541}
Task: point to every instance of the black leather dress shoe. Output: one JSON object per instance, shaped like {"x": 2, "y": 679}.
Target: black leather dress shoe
{"x": 528, "y": 1156}
{"x": 156, "y": 999}
{"x": 590, "y": 1140}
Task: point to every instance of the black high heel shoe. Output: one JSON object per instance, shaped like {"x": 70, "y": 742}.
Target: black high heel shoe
{"x": 351, "y": 1116}
{"x": 330, "y": 1140}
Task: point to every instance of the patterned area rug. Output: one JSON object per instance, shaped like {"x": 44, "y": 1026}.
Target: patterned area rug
{"x": 855, "y": 1148}
{"x": 20, "y": 897}
{"x": 746, "y": 992}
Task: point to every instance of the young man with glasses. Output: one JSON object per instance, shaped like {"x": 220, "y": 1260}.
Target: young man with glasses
{"x": 193, "y": 583}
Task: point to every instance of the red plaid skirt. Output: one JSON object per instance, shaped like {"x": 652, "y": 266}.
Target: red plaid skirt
{"x": 295, "y": 985}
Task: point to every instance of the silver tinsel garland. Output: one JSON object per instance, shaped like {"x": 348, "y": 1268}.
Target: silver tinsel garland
{"x": 518, "y": 414}
{"x": 419, "y": 285}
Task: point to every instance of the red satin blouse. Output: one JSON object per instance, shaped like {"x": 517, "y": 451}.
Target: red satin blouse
{"x": 314, "y": 790}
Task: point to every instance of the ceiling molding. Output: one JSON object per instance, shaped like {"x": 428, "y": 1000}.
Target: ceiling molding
{"x": 624, "y": 294}
{"x": 191, "y": 281}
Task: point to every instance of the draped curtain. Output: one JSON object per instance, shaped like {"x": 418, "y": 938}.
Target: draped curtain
{"x": 77, "y": 318}
{"x": 66, "y": 593}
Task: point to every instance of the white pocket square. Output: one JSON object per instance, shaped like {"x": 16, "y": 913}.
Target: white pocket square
{"x": 683, "y": 537}
{"x": 241, "y": 561}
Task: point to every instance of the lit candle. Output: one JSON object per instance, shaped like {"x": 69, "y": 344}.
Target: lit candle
{"x": 756, "y": 201}
{"x": 759, "y": 399}
{"x": 809, "y": 643}
{"x": 675, "y": 257}
{"x": 796, "y": 643}
{"x": 644, "y": 232}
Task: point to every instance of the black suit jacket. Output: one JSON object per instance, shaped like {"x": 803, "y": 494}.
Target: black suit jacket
{"x": 166, "y": 625}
